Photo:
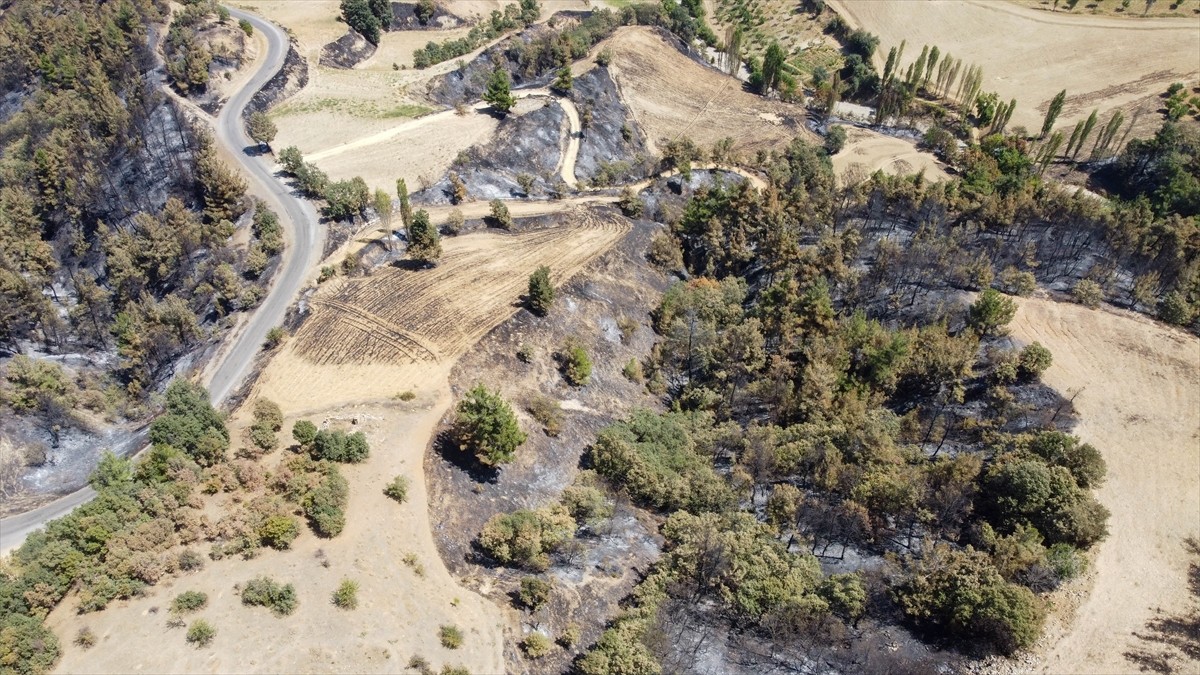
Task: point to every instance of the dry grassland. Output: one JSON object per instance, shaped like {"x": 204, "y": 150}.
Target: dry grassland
{"x": 1136, "y": 385}
{"x": 1137, "y": 9}
{"x": 1031, "y": 55}
{"x": 868, "y": 151}
{"x": 673, "y": 97}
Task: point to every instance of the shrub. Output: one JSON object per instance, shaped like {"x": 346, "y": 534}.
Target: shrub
{"x": 577, "y": 365}
{"x": 189, "y": 601}
{"x": 630, "y": 204}
{"x": 835, "y": 139}
{"x": 525, "y": 538}
{"x": 304, "y": 432}
{"x": 1017, "y": 282}
{"x": 455, "y": 221}
{"x": 1174, "y": 309}
{"x": 534, "y": 592}
{"x": 500, "y": 216}
{"x": 338, "y": 446}
{"x": 570, "y": 635}
{"x": 585, "y": 501}
{"x": 451, "y": 636}
{"x": 665, "y": 252}
{"x": 279, "y": 531}
{"x": 346, "y": 595}
{"x": 1033, "y": 361}
{"x": 275, "y": 337}
{"x": 536, "y": 645}
{"x": 201, "y": 633}
{"x": 633, "y": 371}
{"x": 961, "y": 593}
{"x": 263, "y": 591}
{"x": 26, "y": 646}
{"x": 85, "y": 638}
{"x": 191, "y": 424}
{"x": 190, "y": 560}
{"x": 1087, "y": 293}
{"x": 547, "y": 412}
{"x": 397, "y": 489}
{"x": 486, "y": 425}
{"x": 541, "y": 291}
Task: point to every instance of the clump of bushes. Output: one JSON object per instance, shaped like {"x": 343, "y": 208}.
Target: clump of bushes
{"x": 525, "y": 538}
{"x": 338, "y": 446}
{"x": 346, "y": 595}
{"x": 534, "y": 592}
{"x": 576, "y": 364}
{"x": 201, "y": 633}
{"x": 268, "y": 419}
{"x": 319, "y": 488}
{"x": 397, "y": 489}
{"x": 536, "y": 645}
{"x": 189, "y": 601}
{"x": 191, "y": 424}
{"x": 263, "y": 591}
{"x": 451, "y": 636}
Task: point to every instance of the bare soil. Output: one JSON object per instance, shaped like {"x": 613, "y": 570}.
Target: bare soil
{"x": 1031, "y": 55}
{"x": 1136, "y": 387}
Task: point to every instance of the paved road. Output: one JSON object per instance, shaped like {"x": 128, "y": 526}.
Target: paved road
{"x": 305, "y": 241}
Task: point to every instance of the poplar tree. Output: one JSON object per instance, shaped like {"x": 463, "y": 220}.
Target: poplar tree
{"x": 1056, "y": 106}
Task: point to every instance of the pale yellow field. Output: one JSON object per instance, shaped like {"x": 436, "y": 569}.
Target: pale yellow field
{"x": 868, "y": 151}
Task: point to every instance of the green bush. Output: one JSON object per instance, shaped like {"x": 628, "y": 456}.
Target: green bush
{"x": 534, "y": 592}
{"x": 991, "y": 312}
{"x": 26, "y": 646}
{"x": 191, "y": 424}
{"x": 1088, "y": 293}
{"x": 279, "y": 531}
{"x": 304, "y": 433}
{"x": 397, "y": 489}
{"x": 201, "y": 633}
{"x": 1033, "y": 361}
{"x": 346, "y": 595}
{"x": 525, "y": 538}
{"x": 960, "y": 593}
{"x": 577, "y": 365}
{"x": 451, "y": 636}
{"x": 189, "y": 601}
{"x": 536, "y": 645}
{"x": 263, "y": 591}
{"x": 570, "y": 635}
{"x": 338, "y": 446}
{"x": 500, "y": 217}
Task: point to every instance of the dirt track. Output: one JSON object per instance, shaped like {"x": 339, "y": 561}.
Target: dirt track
{"x": 1138, "y": 386}
{"x": 1031, "y": 55}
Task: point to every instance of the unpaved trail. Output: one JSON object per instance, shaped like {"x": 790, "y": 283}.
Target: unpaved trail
{"x": 1137, "y": 390}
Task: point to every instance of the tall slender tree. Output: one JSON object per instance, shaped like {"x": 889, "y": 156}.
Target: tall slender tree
{"x": 1052, "y": 113}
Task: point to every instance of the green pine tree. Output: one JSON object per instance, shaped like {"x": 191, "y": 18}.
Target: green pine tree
{"x": 499, "y": 91}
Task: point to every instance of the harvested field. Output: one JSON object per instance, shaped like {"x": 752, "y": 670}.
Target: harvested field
{"x": 672, "y": 96}
{"x": 1138, "y": 10}
{"x": 868, "y": 151}
{"x": 1136, "y": 387}
{"x": 1031, "y": 55}
{"x": 369, "y": 338}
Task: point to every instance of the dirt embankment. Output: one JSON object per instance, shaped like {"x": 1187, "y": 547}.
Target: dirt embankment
{"x": 613, "y": 137}
{"x": 1136, "y": 387}
{"x": 673, "y": 97}
{"x": 290, "y": 79}
{"x": 404, "y": 18}
{"x": 347, "y": 51}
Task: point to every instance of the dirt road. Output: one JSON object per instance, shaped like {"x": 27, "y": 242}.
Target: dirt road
{"x": 1138, "y": 386}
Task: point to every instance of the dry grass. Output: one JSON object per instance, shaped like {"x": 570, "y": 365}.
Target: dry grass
{"x": 1136, "y": 385}
{"x": 1137, "y": 8}
{"x": 868, "y": 151}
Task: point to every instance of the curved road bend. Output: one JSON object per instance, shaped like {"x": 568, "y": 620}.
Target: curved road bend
{"x": 305, "y": 242}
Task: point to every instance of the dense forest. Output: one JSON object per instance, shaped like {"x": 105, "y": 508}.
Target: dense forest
{"x": 116, "y": 214}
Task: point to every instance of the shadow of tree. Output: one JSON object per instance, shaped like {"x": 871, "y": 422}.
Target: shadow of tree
{"x": 1172, "y": 643}
{"x": 447, "y": 447}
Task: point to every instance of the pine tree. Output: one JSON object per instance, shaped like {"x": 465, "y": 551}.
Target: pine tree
{"x": 261, "y": 128}
{"x": 499, "y": 91}
{"x": 541, "y": 291}
{"x": 424, "y": 244}
{"x": 563, "y": 81}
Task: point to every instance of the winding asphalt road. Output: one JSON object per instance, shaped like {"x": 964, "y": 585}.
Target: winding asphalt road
{"x": 305, "y": 243}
